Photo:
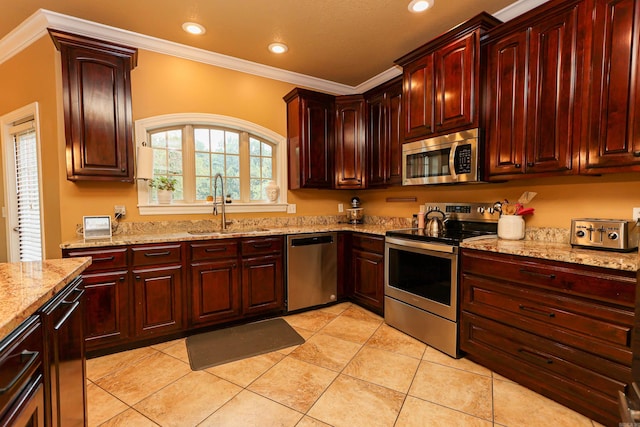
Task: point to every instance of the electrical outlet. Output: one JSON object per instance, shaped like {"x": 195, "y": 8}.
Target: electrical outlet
{"x": 291, "y": 208}
{"x": 120, "y": 210}
{"x": 636, "y": 214}
{"x": 340, "y": 207}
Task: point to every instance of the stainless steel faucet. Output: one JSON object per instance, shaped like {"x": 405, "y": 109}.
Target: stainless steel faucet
{"x": 223, "y": 225}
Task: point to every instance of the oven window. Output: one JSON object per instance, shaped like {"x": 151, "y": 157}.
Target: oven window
{"x": 422, "y": 275}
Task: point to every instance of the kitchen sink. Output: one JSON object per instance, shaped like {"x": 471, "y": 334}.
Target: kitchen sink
{"x": 222, "y": 232}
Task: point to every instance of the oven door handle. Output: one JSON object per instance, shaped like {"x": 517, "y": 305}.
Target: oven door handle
{"x": 452, "y": 162}
{"x": 435, "y": 247}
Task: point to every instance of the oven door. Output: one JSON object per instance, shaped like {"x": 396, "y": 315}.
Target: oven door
{"x": 422, "y": 274}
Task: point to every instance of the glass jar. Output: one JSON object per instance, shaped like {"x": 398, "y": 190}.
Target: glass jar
{"x": 511, "y": 227}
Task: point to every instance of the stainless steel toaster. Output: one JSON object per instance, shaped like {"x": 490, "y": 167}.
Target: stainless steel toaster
{"x": 610, "y": 234}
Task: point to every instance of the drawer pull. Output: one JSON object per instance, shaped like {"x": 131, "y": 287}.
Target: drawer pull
{"x": 636, "y": 154}
{"x": 107, "y": 259}
{"x": 536, "y": 357}
{"x": 66, "y": 316}
{"x": 26, "y": 357}
{"x": 261, "y": 245}
{"x": 535, "y": 273}
{"x": 152, "y": 254}
{"x": 222, "y": 249}
{"x": 77, "y": 298}
{"x": 536, "y": 311}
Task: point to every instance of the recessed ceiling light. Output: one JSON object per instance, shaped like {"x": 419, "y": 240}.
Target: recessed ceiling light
{"x": 417, "y": 6}
{"x": 193, "y": 28}
{"x": 278, "y": 48}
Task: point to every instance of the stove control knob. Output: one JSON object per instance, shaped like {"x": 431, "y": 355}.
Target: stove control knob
{"x": 490, "y": 210}
{"x": 580, "y": 233}
{"x": 613, "y": 235}
{"x": 480, "y": 210}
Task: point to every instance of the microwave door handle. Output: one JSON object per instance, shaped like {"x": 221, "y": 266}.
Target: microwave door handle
{"x": 452, "y": 161}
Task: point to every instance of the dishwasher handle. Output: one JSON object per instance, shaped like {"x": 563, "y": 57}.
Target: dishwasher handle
{"x": 307, "y": 241}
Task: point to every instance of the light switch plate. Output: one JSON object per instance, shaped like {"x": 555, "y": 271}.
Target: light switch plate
{"x": 636, "y": 214}
{"x": 340, "y": 207}
{"x": 291, "y": 208}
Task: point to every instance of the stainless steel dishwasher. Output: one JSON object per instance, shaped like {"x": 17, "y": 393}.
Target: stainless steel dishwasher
{"x": 312, "y": 269}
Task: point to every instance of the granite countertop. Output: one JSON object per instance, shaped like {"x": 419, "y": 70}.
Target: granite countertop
{"x": 627, "y": 261}
{"x": 159, "y": 237}
{"x": 27, "y": 286}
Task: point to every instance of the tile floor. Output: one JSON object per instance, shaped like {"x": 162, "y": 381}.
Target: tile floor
{"x": 353, "y": 370}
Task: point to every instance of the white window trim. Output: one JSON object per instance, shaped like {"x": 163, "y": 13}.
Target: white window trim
{"x": 144, "y": 126}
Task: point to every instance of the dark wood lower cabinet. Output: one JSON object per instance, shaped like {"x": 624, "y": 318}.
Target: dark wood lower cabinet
{"x": 262, "y": 284}
{"x": 215, "y": 291}
{"x": 158, "y": 300}
{"x": 562, "y": 330}
{"x": 367, "y": 271}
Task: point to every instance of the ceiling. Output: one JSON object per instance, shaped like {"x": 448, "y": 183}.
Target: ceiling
{"x": 342, "y": 41}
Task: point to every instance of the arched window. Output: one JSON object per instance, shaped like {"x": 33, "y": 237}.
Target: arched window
{"x": 193, "y": 148}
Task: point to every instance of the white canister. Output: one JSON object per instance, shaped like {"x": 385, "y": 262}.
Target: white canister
{"x": 511, "y": 227}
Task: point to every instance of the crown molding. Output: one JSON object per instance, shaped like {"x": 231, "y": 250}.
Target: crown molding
{"x": 35, "y": 26}
{"x": 516, "y": 9}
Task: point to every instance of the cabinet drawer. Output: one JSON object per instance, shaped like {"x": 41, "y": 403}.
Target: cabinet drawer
{"x": 574, "y": 279}
{"x": 368, "y": 243}
{"x": 577, "y": 379}
{"x": 211, "y": 250}
{"x": 102, "y": 259}
{"x": 157, "y": 254}
{"x": 261, "y": 245}
{"x": 593, "y": 327}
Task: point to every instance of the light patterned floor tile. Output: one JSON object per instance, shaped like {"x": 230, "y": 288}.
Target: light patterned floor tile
{"x": 435, "y": 356}
{"x": 129, "y": 418}
{"x": 351, "y": 328}
{"x": 250, "y": 409}
{"x": 391, "y": 370}
{"x": 311, "y": 422}
{"x": 350, "y": 402}
{"x": 143, "y": 378}
{"x": 189, "y": 400}
{"x": 327, "y": 351}
{"x": 517, "y": 406}
{"x": 102, "y": 366}
{"x": 420, "y": 413}
{"x": 177, "y": 350}
{"x": 310, "y": 320}
{"x": 101, "y": 406}
{"x": 244, "y": 372}
{"x": 460, "y": 390}
{"x": 163, "y": 345}
{"x": 391, "y": 339}
{"x": 308, "y": 381}
{"x": 336, "y": 309}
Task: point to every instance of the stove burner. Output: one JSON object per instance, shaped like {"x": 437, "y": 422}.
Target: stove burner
{"x": 453, "y": 234}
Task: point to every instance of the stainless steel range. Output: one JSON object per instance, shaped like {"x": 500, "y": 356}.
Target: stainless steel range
{"x": 421, "y": 273}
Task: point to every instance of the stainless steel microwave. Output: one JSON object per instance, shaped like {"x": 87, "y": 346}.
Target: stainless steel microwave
{"x": 443, "y": 159}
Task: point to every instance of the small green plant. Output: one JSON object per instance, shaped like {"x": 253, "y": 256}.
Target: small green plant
{"x": 163, "y": 183}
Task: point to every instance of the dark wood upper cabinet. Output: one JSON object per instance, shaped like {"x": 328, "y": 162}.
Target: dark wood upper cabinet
{"x": 612, "y": 142}
{"x": 350, "y": 142}
{"x": 384, "y": 134}
{"x": 97, "y": 107}
{"x": 532, "y": 92}
{"x": 441, "y": 81}
{"x": 310, "y": 139}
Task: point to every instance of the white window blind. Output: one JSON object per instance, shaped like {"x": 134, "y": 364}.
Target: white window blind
{"x": 27, "y": 191}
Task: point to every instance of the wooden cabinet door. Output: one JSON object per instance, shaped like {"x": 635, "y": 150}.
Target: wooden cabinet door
{"x": 419, "y": 97}
{"x": 367, "y": 269}
{"x": 262, "y": 284}
{"x": 377, "y": 140}
{"x": 394, "y": 132}
{"x": 310, "y": 139}
{"x": 106, "y": 298}
{"x": 97, "y": 107}
{"x": 613, "y": 130}
{"x": 158, "y": 300}
{"x": 554, "y": 67}
{"x": 455, "y": 71}
{"x": 505, "y": 98}
{"x": 350, "y": 140}
{"x": 215, "y": 291}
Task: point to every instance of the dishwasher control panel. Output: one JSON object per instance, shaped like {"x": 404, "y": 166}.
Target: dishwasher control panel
{"x": 610, "y": 234}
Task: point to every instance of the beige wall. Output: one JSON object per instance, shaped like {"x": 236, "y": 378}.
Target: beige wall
{"x": 29, "y": 77}
{"x": 163, "y": 84}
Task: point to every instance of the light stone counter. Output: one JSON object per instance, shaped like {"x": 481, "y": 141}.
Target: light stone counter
{"x": 557, "y": 252}
{"x": 26, "y": 286}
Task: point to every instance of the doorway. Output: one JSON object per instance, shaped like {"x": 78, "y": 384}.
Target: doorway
{"x": 22, "y": 209}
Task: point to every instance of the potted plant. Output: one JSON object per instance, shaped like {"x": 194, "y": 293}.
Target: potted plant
{"x": 165, "y": 186}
